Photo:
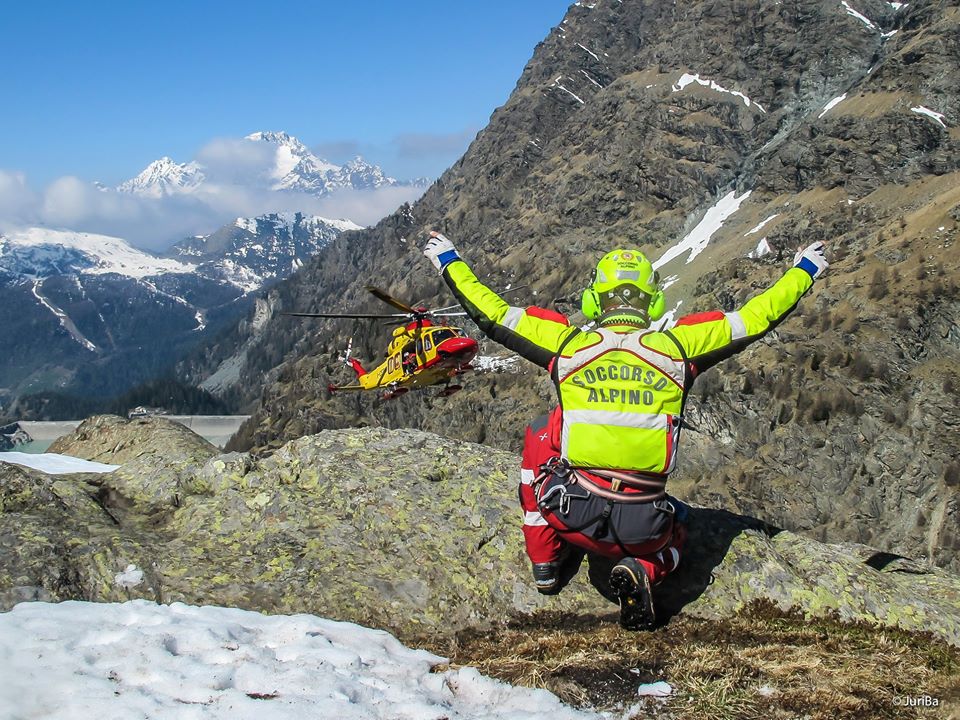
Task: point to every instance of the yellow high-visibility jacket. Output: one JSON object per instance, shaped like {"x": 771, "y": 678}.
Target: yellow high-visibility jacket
{"x": 621, "y": 389}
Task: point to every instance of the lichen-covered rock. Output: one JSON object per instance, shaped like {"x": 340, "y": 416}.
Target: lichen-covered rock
{"x": 113, "y": 439}
{"x": 56, "y": 541}
{"x": 398, "y": 529}
{"x": 158, "y": 457}
{"x": 733, "y": 561}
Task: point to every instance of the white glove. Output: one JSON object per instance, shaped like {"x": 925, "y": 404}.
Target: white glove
{"x": 812, "y": 260}
{"x": 440, "y": 251}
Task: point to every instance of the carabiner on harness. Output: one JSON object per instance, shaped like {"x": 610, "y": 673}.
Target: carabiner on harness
{"x": 557, "y": 499}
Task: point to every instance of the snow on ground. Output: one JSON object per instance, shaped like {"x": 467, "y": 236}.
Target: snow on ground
{"x": 763, "y": 248}
{"x": 248, "y": 224}
{"x": 556, "y": 83}
{"x": 65, "y": 322}
{"x": 668, "y": 281}
{"x": 670, "y": 317}
{"x": 697, "y": 239}
{"x": 178, "y": 662}
{"x": 588, "y": 77}
{"x": 853, "y": 13}
{"x": 921, "y": 110}
{"x": 589, "y": 52}
{"x": 239, "y": 275}
{"x": 687, "y": 79}
{"x": 54, "y": 464}
{"x": 489, "y": 363}
{"x": 760, "y": 226}
{"x": 832, "y": 104}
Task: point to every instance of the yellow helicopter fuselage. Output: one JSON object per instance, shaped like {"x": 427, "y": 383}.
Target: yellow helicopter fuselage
{"x": 418, "y": 357}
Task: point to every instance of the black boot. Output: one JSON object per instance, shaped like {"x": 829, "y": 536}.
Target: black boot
{"x": 546, "y": 576}
{"x": 632, "y": 585}
{"x": 552, "y": 577}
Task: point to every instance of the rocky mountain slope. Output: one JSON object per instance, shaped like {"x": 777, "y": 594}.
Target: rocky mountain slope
{"x": 91, "y": 315}
{"x": 644, "y": 122}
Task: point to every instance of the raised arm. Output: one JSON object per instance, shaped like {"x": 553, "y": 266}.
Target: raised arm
{"x": 712, "y": 337}
{"x": 534, "y": 333}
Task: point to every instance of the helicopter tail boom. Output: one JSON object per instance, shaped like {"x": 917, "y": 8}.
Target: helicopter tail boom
{"x": 337, "y": 388}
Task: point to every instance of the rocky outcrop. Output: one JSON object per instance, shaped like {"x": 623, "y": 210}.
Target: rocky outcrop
{"x": 12, "y": 435}
{"x": 157, "y": 457}
{"x": 398, "y": 529}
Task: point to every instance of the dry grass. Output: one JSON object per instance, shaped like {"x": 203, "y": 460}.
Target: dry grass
{"x": 760, "y": 664}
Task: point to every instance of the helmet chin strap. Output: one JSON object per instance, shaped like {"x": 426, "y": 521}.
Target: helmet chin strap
{"x": 624, "y": 315}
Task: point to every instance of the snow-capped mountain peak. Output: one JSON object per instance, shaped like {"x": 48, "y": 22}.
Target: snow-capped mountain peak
{"x": 290, "y": 167}
{"x": 250, "y": 252}
{"x": 278, "y": 137}
{"x": 296, "y": 168}
{"x": 164, "y": 177}
{"x": 359, "y": 173}
{"x": 74, "y": 298}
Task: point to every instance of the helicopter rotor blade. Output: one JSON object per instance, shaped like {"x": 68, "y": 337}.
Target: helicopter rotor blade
{"x": 356, "y": 316}
{"x": 499, "y": 292}
{"x": 512, "y": 289}
{"x": 389, "y": 299}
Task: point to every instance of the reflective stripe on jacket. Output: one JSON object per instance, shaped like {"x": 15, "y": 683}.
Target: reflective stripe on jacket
{"x": 608, "y": 421}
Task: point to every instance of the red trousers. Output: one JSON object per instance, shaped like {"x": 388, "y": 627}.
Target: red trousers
{"x": 546, "y": 535}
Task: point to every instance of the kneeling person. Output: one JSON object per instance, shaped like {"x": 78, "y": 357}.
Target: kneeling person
{"x": 594, "y": 473}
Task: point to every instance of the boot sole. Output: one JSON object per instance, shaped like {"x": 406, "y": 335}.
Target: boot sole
{"x": 636, "y": 599}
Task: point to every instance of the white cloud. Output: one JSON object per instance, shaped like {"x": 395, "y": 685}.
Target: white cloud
{"x": 405, "y": 156}
{"x": 156, "y": 223}
{"x": 231, "y": 160}
{"x": 18, "y": 203}
{"x": 237, "y": 175}
{"x": 69, "y": 200}
{"x": 339, "y": 151}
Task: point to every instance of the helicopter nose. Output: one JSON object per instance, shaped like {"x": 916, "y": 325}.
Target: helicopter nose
{"x": 463, "y": 348}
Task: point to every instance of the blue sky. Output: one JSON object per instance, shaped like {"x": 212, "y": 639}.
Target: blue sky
{"x": 97, "y": 90}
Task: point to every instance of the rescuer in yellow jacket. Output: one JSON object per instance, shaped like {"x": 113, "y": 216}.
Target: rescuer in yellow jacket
{"x": 594, "y": 472}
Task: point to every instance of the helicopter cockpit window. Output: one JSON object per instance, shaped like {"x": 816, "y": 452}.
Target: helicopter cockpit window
{"x": 440, "y": 335}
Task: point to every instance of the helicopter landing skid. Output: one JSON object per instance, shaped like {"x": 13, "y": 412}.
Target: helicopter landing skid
{"x": 394, "y": 393}
{"x": 450, "y": 390}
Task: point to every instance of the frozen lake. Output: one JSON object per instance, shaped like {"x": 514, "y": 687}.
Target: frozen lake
{"x": 215, "y": 428}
